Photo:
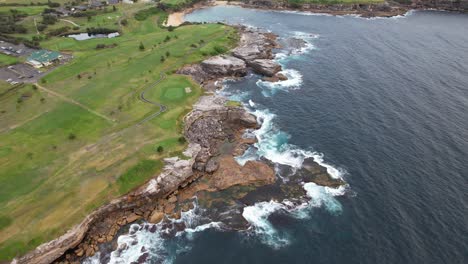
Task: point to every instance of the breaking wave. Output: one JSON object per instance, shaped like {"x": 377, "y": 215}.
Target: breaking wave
{"x": 273, "y": 145}
{"x": 151, "y": 243}
{"x": 258, "y": 214}
{"x": 294, "y": 81}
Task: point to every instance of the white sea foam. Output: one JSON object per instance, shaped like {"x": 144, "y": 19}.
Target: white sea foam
{"x": 305, "y": 13}
{"x": 257, "y": 215}
{"x": 294, "y": 81}
{"x": 273, "y": 145}
{"x": 150, "y": 238}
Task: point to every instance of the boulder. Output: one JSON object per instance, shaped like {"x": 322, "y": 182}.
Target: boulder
{"x": 156, "y": 217}
{"x": 132, "y": 218}
{"x": 212, "y": 165}
{"x": 224, "y": 65}
{"x": 265, "y": 67}
{"x": 248, "y": 53}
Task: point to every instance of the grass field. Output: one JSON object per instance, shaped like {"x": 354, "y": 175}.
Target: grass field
{"x": 7, "y": 60}
{"x": 72, "y": 144}
{"x": 29, "y": 10}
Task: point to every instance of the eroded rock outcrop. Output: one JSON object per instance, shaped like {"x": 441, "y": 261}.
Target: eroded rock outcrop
{"x": 254, "y": 51}
{"x": 224, "y": 65}
{"x": 265, "y": 67}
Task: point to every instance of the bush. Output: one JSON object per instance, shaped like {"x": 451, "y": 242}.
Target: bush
{"x": 182, "y": 140}
{"x": 71, "y": 136}
{"x": 142, "y": 47}
{"x": 219, "y": 49}
{"x": 145, "y": 13}
{"x": 48, "y": 19}
{"x": 124, "y": 22}
{"x": 41, "y": 27}
{"x": 160, "y": 149}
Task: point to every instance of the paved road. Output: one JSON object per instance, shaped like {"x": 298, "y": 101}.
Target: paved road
{"x": 162, "y": 108}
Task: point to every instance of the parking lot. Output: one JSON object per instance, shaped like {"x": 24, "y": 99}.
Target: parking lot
{"x": 20, "y": 73}
{"x": 11, "y": 49}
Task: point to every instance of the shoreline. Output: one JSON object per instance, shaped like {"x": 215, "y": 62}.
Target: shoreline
{"x": 177, "y": 182}
{"x": 364, "y": 11}
{"x": 206, "y": 128}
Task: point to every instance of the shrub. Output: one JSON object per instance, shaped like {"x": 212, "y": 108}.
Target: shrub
{"x": 160, "y": 149}
{"x": 142, "y": 47}
{"x": 182, "y": 140}
{"x": 71, "y": 136}
{"x": 145, "y": 13}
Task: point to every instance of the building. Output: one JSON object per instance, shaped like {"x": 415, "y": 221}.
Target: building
{"x": 43, "y": 58}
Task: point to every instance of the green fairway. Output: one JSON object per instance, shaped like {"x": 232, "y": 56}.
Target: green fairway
{"x": 7, "y": 60}
{"x": 73, "y": 143}
{"x": 29, "y": 10}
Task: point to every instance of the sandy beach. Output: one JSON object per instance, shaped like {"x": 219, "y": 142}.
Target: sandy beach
{"x": 177, "y": 18}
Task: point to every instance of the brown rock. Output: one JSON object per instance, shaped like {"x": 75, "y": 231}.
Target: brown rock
{"x": 132, "y": 218}
{"x": 79, "y": 252}
{"x": 172, "y": 199}
{"x": 230, "y": 173}
{"x": 156, "y": 217}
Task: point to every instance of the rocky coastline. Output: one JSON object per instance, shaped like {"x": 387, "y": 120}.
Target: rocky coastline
{"x": 214, "y": 130}
{"x": 384, "y": 9}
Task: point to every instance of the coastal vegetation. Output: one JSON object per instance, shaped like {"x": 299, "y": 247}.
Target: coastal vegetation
{"x": 81, "y": 136}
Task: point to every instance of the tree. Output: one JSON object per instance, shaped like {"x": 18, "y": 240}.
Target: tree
{"x": 142, "y": 47}
{"x": 162, "y": 59}
{"x": 114, "y": 8}
{"x": 124, "y": 22}
{"x": 170, "y": 28}
{"x": 182, "y": 140}
{"x": 160, "y": 149}
{"x": 168, "y": 54}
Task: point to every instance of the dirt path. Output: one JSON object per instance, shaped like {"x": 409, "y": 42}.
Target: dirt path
{"x": 35, "y": 26}
{"x": 64, "y": 98}
{"x": 71, "y": 22}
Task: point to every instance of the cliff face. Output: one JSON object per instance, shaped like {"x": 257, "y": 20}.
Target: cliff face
{"x": 387, "y": 8}
{"x": 449, "y": 5}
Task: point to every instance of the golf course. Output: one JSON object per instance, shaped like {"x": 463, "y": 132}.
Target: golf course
{"x": 75, "y": 140}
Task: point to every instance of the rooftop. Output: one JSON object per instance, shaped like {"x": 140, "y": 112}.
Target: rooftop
{"x": 44, "y": 56}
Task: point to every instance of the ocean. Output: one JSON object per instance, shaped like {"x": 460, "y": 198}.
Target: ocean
{"x": 383, "y": 104}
